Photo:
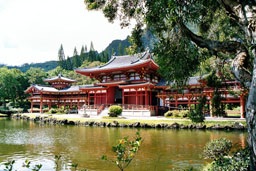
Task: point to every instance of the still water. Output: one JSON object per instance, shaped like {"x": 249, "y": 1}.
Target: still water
{"x": 161, "y": 149}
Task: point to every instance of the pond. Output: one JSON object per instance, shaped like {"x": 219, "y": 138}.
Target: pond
{"x": 160, "y": 150}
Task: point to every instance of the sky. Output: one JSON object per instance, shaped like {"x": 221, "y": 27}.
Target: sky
{"x": 32, "y": 31}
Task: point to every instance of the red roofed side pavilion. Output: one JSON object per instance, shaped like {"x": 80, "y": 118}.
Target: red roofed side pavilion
{"x": 58, "y": 93}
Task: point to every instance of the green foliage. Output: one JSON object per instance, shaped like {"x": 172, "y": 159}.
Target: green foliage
{"x": 62, "y": 60}
{"x": 239, "y": 161}
{"x": 12, "y": 86}
{"x": 168, "y": 114}
{"x": 217, "y": 149}
{"x": 218, "y": 108}
{"x": 35, "y": 168}
{"x": 169, "y": 55}
{"x": 58, "y": 111}
{"x": 9, "y": 165}
{"x": 125, "y": 151}
{"x": 177, "y": 114}
{"x": 36, "y": 76}
{"x": 115, "y": 110}
{"x": 197, "y": 115}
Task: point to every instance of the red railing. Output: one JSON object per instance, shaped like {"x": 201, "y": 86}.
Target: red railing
{"x": 100, "y": 109}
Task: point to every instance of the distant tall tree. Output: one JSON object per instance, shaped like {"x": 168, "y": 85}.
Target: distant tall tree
{"x": 92, "y": 53}
{"x": 69, "y": 64}
{"x": 76, "y": 59}
{"x": 82, "y": 54}
{"x": 62, "y": 60}
{"x": 92, "y": 47}
{"x": 120, "y": 50}
{"x": 85, "y": 48}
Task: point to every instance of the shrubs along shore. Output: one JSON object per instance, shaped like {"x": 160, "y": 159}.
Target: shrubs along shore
{"x": 172, "y": 124}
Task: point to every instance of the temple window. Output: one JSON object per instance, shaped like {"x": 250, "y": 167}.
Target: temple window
{"x": 147, "y": 77}
{"x": 155, "y": 79}
{"x": 119, "y": 77}
{"x": 106, "y": 79}
{"x": 134, "y": 76}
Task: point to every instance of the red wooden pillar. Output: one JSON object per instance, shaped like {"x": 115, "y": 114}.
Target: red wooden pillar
{"x": 164, "y": 101}
{"x": 70, "y": 105}
{"x": 50, "y": 105}
{"x": 136, "y": 96}
{"x": 106, "y": 96}
{"x": 88, "y": 98}
{"x": 78, "y": 107}
{"x": 150, "y": 97}
{"x": 189, "y": 103}
{"x": 123, "y": 97}
{"x": 146, "y": 97}
{"x": 176, "y": 102}
{"x": 95, "y": 99}
{"x": 242, "y": 104}
{"x": 32, "y": 106}
{"x": 41, "y": 104}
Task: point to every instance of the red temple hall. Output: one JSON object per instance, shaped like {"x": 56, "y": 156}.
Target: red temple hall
{"x": 131, "y": 81}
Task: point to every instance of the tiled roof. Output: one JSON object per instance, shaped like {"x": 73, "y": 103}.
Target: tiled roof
{"x": 122, "y": 61}
{"x": 138, "y": 84}
{"x": 59, "y": 77}
{"x": 90, "y": 86}
{"x": 190, "y": 81}
{"x": 52, "y": 89}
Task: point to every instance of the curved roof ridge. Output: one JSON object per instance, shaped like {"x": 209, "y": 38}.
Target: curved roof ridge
{"x": 110, "y": 61}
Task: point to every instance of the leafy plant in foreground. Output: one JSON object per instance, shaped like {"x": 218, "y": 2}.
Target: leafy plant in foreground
{"x": 216, "y": 149}
{"x": 125, "y": 151}
{"x": 9, "y": 165}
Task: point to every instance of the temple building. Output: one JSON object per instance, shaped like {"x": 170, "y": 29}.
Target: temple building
{"x": 58, "y": 93}
{"x": 131, "y": 81}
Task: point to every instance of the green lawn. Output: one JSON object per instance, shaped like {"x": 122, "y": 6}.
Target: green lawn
{"x": 130, "y": 121}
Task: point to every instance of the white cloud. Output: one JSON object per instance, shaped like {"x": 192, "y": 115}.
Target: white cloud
{"x": 32, "y": 30}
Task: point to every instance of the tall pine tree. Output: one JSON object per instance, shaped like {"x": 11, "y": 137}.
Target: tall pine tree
{"x": 92, "y": 53}
{"x": 82, "y": 54}
{"x": 69, "y": 64}
{"x": 76, "y": 59}
{"x": 62, "y": 60}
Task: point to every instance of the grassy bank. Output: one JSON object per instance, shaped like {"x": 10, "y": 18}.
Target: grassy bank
{"x": 131, "y": 121}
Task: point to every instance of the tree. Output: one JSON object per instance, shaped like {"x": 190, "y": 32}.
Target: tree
{"x": 92, "y": 53}
{"x": 82, "y": 54}
{"x": 12, "y": 85}
{"x": 120, "y": 50}
{"x": 36, "y": 76}
{"x": 224, "y": 27}
{"x": 125, "y": 151}
{"x": 62, "y": 60}
{"x": 69, "y": 64}
{"x": 76, "y": 59}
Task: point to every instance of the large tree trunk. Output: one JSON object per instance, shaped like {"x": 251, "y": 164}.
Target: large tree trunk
{"x": 244, "y": 13}
{"x": 251, "y": 116}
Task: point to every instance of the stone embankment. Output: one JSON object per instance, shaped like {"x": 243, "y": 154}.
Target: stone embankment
{"x": 52, "y": 120}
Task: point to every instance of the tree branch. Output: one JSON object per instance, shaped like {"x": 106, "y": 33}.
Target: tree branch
{"x": 212, "y": 45}
{"x": 240, "y": 63}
